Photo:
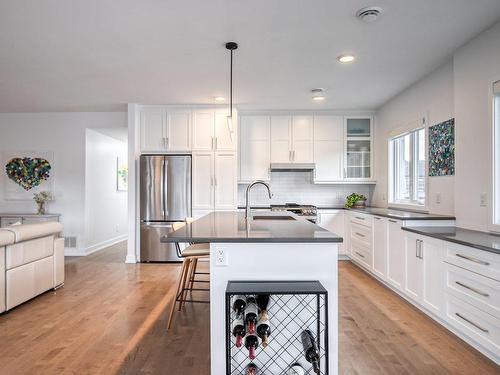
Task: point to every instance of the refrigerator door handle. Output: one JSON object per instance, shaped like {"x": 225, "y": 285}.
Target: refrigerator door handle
{"x": 165, "y": 188}
{"x": 162, "y": 189}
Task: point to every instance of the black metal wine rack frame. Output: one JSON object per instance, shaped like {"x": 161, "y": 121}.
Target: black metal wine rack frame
{"x": 294, "y": 306}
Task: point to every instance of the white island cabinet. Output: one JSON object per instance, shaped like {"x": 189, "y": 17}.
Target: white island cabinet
{"x": 266, "y": 250}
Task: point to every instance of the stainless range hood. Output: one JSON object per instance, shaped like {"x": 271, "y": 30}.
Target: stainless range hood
{"x": 292, "y": 167}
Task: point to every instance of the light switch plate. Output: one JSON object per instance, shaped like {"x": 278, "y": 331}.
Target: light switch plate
{"x": 220, "y": 257}
{"x": 482, "y": 199}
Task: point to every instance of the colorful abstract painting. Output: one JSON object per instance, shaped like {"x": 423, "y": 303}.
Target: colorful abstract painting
{"x": 442, "y": 149}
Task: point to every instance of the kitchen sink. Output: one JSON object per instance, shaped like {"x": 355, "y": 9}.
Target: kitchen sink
{"x": 273, "y": 217}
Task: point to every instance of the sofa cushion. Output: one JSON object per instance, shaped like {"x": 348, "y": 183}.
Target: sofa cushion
{"x": 25, "y": 252}
{"x": 6, "y": 237}
{"x": 26, "y": 232}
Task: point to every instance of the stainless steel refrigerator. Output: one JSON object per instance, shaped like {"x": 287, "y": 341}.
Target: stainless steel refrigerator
{"x": 165, "y": 197}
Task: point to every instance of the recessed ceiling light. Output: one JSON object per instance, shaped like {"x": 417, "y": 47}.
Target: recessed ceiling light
{"x": 346, "y": 59}
{"x": 219, "y": 99}
{"x": 369, "y": 14}
{"x": 318, "y": 95}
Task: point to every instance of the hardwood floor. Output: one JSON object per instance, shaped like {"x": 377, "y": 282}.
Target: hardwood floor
{"x": 110, "y": 318}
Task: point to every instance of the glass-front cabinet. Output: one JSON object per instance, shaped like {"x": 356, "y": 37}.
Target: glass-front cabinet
{"x": 358, "y": 148}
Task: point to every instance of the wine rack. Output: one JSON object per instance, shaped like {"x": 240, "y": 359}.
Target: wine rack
{"x": 294, "y": 307}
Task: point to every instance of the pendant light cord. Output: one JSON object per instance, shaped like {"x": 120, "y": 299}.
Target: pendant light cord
{"x": 231, "y": 88}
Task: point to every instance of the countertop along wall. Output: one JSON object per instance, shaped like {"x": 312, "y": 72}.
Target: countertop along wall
{"x": 64, "y": 134}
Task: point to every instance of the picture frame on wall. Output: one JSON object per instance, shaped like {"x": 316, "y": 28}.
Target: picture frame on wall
{"x": 121, "y": 174}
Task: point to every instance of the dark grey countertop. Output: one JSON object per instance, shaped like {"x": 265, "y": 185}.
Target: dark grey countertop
{"x": 473, "y": 238}
{"x": 232, "y": 227}
{"x": 400, "y": 214}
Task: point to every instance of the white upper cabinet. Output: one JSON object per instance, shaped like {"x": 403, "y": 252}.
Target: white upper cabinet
{"x": 328, "y": 141}
{"x": 225, "y": 181}
{"x": 225, "y": 138}
{"x": 165, "y": 129}
{"x": 203, "y": 181}
{"x": 153, "y": 130}
{"x": 358, "y": 159}
{"x": 179, "y": 130}
{"x": 302, "y": 139}
{"x": 203, "y": 130}
{"x": 255, "y": 151}
{"x": 281, "y": 139}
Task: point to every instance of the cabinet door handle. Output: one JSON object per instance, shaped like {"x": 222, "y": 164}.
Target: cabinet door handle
{"x": 293, "y": 155}
{"x": 164, "y": 142}
{"x": 360, "y": 218}
{"x": 421, "y": 249}
{"x": 289, "y": 155}
{"x": 359, "y": 234}
{"x": 392, "y": 221}
{"x": 472, "y": 289}
{"x": 378, "y": 218}
{"x": 416, "y": 249}
{"x": 472, "y": 323}
{"x": 473, "y": 259}
{"x": 215, "y": 143}
{"x": 168, "y": 143}
{"x": 361, "y": 255}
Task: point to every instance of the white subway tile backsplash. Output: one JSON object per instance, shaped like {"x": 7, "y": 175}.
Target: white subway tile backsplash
{"x": 298, "y": 187}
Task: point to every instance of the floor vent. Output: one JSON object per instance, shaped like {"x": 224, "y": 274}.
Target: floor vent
{"x": 70, "y": 242}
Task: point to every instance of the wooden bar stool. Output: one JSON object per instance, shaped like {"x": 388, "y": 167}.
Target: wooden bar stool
{"x": 187, "y": 277}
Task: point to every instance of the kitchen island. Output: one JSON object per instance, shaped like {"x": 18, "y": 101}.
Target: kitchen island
{"x": 268, "y": 247}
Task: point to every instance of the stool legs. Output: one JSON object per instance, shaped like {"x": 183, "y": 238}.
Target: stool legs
{"x": 180, "y": 285}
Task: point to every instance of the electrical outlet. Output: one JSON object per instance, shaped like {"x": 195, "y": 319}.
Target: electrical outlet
{"x": 220, "y": 257}
{"x": 438, "y": 198}
{"x": 482, "y": 200}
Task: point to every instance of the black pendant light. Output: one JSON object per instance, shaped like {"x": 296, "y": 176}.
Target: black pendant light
{"x": 231, "y": 46}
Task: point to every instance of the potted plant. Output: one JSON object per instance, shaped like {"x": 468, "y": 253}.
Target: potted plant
{"x": 355, "y": 200}
{"x": 41, "y": 199}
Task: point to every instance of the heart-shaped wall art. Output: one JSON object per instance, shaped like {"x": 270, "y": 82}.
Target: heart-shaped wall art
{"x": 28, "y": 172}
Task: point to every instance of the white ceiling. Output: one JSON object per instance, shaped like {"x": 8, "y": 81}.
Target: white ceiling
{"x": 97, "y": 55}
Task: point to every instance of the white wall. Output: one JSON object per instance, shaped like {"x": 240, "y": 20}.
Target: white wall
{"x": 431, "y": 97}
{"x": 476, "y": 66}
{"x": 64, "y": 134}
{"x": 105, "y": 207}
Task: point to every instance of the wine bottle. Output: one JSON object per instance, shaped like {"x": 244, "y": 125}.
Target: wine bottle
{"x": 264, "y": 328}
{"x": 251, "y": 369}
{"x": 262, "y": 302}
{"x": 251, "y": 343}
{"x": 251, "y": 314}
{"x": 310, "y": 349}
{"x": 239, "y": 329}
{"x": 239, "y": 304}
{"x": 296, "y": 369}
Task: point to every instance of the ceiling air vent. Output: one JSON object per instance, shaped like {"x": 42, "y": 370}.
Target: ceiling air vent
{"x": 369, "y": 14}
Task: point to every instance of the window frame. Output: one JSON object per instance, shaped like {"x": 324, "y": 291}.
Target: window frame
{"x": 494, "y": 211}
{"x": 413, "y": 127}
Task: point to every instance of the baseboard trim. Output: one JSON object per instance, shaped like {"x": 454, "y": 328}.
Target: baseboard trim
{"x": 69, "y": 252}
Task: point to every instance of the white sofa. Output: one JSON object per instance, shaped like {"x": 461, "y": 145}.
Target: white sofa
{"x": 31, "y": 262}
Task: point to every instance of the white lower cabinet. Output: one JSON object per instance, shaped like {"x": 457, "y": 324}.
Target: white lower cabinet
{"x": 424, "y": 272}
{"x": 333, "y": 220}
{"x": 380, "y": 246}
{"x": 395, "y": 254}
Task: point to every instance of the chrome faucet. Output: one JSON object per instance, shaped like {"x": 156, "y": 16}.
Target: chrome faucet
{"x": 247, "y": 207}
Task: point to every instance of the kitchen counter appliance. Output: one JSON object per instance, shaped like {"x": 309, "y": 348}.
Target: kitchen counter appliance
{"x": 308, "y": 212}
{"x": 165, "y": 198}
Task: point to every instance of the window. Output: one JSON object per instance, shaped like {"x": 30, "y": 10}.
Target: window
{"x": 496, "y": 153}
{"x": 407, "y": 168}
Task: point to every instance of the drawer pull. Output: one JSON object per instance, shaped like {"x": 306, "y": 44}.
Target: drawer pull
{"x": 361, "y": 255}
{"x": 360, "y": 218}
{"x": 359, "y": 234}
{"x": 473, "y": 259}
{"x": 392, "y": 221}
{"x": 472, "y": 289}
{"x": 378, "y": 218}
{"x": 472, "y": 323}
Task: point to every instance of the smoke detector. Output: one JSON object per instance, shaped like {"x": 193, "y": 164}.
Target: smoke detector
{"x": 369, "y": 14}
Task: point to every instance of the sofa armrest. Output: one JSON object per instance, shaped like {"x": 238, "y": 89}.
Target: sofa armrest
{"x": 58, "y": 262}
